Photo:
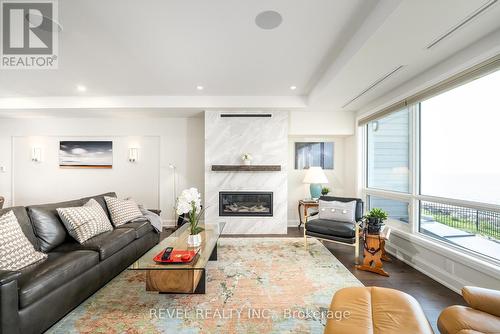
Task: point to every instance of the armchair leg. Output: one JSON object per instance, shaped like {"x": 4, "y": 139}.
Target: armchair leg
{"x": 305, "y": 241}
{"x": 356, "y": 247}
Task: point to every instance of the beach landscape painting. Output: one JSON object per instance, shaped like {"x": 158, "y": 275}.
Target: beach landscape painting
{"x": 86, "y": 154}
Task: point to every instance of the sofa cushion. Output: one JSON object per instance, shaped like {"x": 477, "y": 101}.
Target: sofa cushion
{"x": 101, "y": 201}
{"x": 359, "y": 204}
{"x": 332, "y": 227}
{"x": 16, "y": 251}
{"x": 24, "y": 221}
{"x": 122, "y": 210}
{"x": 85, "y": 222}
{"x": 47, "y": 225}
{"x": 107, "y": 243}
{"x": 141, "y": 227}
{"x": 335, "y": 210}
{"x": 40, "y": 279}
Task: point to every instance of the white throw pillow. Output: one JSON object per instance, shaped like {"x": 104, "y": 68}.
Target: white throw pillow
{"x": 16, "y": 251}
{"x": 122, "y": 211}
{"x": 85, "y": 222}
{"x": 340, "y": 211}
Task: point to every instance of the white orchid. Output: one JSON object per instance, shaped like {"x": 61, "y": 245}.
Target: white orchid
{"x": 189, "y": 202}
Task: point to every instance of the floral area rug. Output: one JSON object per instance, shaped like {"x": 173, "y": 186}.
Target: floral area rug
{"x": 258, "y": 285}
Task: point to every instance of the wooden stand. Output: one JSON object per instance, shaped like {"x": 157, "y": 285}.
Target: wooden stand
{"x": 374, "y": 253}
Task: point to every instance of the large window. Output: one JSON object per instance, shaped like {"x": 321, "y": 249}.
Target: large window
{"x": 435, "y": 165}
{"x": 396, "y": 210}
{"x": 459, "y": 161}
{"x": 388, "y": 152}
{"x": 460, "y": 153}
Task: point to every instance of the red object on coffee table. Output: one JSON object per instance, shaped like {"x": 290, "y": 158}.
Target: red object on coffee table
{"x": 177, "y": 256}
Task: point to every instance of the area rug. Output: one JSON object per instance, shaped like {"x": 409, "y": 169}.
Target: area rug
{"x": 258, "y": 285}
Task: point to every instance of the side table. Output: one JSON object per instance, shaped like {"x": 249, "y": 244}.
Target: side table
{"x": 306, "y": 205}
{"x": 374, "y": 252}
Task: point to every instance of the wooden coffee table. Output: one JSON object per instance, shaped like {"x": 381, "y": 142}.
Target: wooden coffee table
{"x": 185, "y": 277}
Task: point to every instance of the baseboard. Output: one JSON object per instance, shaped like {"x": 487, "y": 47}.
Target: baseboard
{"x": 168, "y": 222}
{"x": 397, "y": 251}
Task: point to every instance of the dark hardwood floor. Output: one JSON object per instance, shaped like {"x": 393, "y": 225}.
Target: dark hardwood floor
{"x": 432, "y": 296}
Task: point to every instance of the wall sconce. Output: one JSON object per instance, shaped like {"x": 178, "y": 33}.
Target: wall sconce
{"x": 133, "y": 154}
{"x": 36, "y": 154}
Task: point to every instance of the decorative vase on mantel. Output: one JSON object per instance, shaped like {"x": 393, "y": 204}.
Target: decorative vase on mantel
{"x": 189, "y": 202}
{"x": 246, "y": 158}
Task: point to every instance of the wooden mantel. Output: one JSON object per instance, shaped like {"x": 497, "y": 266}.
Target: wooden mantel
{"x": 246, "y": 168}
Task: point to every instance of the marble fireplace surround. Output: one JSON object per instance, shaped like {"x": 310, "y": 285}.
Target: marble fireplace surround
{"x": 266, "y": 139}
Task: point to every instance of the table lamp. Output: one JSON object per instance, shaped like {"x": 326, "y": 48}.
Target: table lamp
{"x": 315, "y": 177}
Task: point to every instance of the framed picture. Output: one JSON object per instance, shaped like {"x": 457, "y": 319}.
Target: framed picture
{"x": 86, "y": 154}
{"x": 309, "y": 154}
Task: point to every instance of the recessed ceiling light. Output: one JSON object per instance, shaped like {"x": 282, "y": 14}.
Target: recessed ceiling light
{"x": 293, "y": 87}
{"x": 200, "y": 87}
{"x": 81, "y": 88}
{"x": 268, "y": 20}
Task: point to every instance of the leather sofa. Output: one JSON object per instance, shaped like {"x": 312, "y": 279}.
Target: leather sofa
{"x": 34, "y": 298}
{"x": 481, "y": 316}
{"x": 370, "y": 310}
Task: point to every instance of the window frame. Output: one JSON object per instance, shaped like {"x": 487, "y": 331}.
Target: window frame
{"x": 414, "y": 196}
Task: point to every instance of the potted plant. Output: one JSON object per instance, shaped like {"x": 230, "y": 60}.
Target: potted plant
{"x": 247, "y": 158}
{"x": 375, "y": 219}
{"x": 189, "y": 202}
{"x": 325, "y": 191}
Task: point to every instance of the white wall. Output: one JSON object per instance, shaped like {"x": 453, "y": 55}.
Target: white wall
{"x": 321, "y": 123}
{"x": 160, "y": 140}
{"x": 317, "y": 127}
{"x": 46, "y": 181}
{"x": 336, "y": 176}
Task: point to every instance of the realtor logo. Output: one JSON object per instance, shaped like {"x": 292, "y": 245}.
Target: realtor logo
{"x": 29, "y": 34}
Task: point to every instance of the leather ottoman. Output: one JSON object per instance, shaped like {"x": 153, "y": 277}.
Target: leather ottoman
{"x": 370, "y": 310}
{"x": 481, "y": 316}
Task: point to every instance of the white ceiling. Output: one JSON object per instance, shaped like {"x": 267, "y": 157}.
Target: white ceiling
{"x": 153, "y": 54}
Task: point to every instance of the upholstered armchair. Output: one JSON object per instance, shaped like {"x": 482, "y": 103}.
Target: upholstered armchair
{"x": 340, "y": 231}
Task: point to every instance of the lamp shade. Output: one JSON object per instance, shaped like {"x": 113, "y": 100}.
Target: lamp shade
{"x": 315, "y": 175}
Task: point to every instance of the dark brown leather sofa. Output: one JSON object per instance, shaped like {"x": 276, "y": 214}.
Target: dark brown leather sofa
{"x": 34, "y": 298}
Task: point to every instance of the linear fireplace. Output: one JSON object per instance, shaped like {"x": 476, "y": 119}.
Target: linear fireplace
{"x": 245, "y": 203}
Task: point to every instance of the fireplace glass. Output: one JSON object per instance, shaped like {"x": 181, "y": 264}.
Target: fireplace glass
{"x": 245, "y": 203}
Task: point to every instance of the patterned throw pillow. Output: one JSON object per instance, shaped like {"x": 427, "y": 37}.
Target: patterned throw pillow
{"x": 16, "y": 251}
{"x": 339, "y": 211}
{"x": 122, "y": 210}
{"x": 86, "y": 221}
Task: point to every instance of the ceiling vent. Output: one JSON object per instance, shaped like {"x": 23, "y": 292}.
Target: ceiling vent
{"x": 466, "y": 20}
{"x": 239, "y": 115}
{"x": 373, "y": 85}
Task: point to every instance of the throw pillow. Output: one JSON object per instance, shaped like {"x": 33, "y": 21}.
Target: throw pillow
{"x": 86, "y": 221}
{"x": 16, "y": 251}
{"x": 122, "y": 211}
{"x": 340, "y": 211}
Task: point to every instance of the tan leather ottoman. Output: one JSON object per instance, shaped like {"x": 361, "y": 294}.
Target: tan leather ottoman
{"x": 483, "y": 315}
{"x": 370, "y": 310}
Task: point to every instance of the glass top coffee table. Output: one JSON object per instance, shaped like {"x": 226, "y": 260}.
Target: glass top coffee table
{"x": 181, "y": 277}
